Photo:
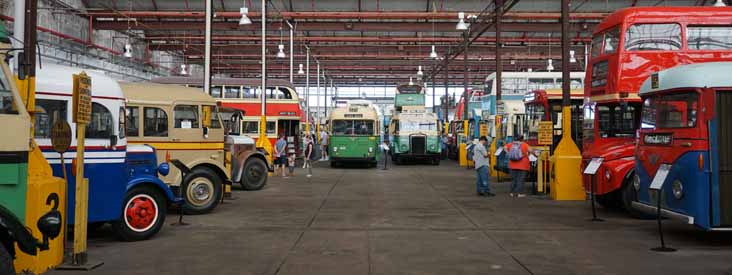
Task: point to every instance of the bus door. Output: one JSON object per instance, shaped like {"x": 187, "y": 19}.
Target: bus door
{"x": 724, "y": 153}
{"x": 213, "y": 128}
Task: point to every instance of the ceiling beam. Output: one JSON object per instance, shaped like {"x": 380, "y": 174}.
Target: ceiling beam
{"x": 342, "y": 15}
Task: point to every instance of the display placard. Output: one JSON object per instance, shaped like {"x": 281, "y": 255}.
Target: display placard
{"x": 593, "y": 166}
{"x": 498, "y": 152}
{"x": 483, "y": 129}
{"x": 82, "y": 99}
{"x": 60, "y": 136}
{"x": 660, "y": 177}
{"x": 546, "y": 135}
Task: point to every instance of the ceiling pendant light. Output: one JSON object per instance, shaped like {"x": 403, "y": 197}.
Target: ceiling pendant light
{"x": 550, "y": 65}
{"x": 244, "y": 18}
{"x": 572, "y": 59}
{"x": 461, "y": 25}
{"x": 719, "y": 3}
{"x": 410, "y": 81}
{"x": 433, "y": 54}
{"x": 128, "y": 50}
{"x": 281, "y": 52}
{"x": 419, "y": 71}
{"x": 183, "y": 69}
{"x": 300, "y": 71}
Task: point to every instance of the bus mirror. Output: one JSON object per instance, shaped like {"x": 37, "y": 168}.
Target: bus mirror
{"x": 21, "y": 69}
{"x": 113, "y": 140}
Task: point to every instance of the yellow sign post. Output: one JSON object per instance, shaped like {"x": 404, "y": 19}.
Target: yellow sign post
{"x": 546, "y": 133}
{"x": 81, "y": 116}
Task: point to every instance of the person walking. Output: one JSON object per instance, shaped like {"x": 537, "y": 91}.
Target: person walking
{"x": 518, "y": 163}
{"x": 324, "y": 140}
{"x": 308, "y": 154}
{"x": 481, "y": 160}
{"x": 280, "y": 155}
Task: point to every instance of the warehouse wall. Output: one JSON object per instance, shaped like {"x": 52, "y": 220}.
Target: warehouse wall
{"x": 102, "y": 52}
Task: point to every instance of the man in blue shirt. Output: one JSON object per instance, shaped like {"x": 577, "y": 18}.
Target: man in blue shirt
{"x": 280, "y": 155}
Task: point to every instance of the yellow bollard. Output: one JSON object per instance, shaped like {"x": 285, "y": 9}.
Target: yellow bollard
{"x": 463, "y": 157}
{"x": 567, "y": 160}
{"x": 41, "y": 184}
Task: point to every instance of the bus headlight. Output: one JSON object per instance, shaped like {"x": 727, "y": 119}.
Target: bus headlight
{"x": 607, "y": 174}
{"x": 371, "y": 149}
{"x": 335, "y": 148}
{"x": 404, "y": 147}
{"x": 678, "y": 189}
{"x": 432, "y": 147}
{"x": 164, "y": 169}
{"x": 636, "y": 182}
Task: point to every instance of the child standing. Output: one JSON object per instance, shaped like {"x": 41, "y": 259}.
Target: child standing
{"x": 291, "y": 164}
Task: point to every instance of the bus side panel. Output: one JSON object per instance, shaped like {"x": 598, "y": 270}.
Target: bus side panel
{"x": 722, "y": 148}
{"x": 106, "y": 182}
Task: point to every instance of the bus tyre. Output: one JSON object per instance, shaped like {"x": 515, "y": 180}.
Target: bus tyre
{"x": 255, "y": 175}
{"x": 628, "y": 196}
{"x": 143, "y": 214}
{"x": 333, "y": 164}
{"x": 6, "y": 261}
{"x": 202, "y": 190}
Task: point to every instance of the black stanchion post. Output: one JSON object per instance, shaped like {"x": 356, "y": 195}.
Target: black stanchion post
{"x": 663, "y": 247}
{"x": 592, "y": 199}
{"x": 386, "y": 159}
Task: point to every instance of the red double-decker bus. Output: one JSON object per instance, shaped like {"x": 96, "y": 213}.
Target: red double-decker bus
{"x": 627, "y": 47}
{"x": 284, "y": 113}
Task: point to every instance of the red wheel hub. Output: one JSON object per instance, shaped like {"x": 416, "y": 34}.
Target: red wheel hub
{"x": 141, "y": 213}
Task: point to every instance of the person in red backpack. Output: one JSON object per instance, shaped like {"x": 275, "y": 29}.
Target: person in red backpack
{"x": 518, "y": 163}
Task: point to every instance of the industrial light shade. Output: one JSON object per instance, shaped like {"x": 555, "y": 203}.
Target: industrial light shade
{"x": 433, "y": 54}
{"x": 281, "y": 52}
{"x": 550, "y": 65}
{"x": 128, "y": 50}
{"x": 461, "y": 25}
{"x": 410, "y": 81}
{"x": 244, "y": 18}
{"x": 529, "y": 70}
{"x": 183, "y": 69}
{"x": 419, "y": 71}
{"x": 719, "y": 3}
{"x": 300, "y": 71}
{"x": 572, "y": 59}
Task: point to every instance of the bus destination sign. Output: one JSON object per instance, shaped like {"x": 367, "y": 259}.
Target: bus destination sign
{"x": 82, "y": 98}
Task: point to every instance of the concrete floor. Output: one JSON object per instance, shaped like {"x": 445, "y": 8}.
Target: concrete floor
{"x": 417, "y": 219}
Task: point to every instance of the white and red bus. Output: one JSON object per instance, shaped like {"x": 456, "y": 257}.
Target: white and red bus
{"x": 284, "y": 112}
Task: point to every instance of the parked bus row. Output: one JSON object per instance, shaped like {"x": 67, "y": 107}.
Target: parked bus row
{"x": 135, "y": 130}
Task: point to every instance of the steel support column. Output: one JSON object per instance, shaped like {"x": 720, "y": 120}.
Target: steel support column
{"x": 565, "y": 53}
{"x": 466, "y": 96}
{"x": 499, "y": 63}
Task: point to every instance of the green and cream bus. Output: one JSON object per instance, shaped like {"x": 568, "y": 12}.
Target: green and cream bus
{"x": 355, "y": 134}
{"x": 414, "y": 135}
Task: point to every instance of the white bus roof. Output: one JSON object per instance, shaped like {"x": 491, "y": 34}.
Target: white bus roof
{"x": 360, "y": 112}
{"x": 710, "y": 74}
{"x": 145, "y": 92}
{"x": 56, "y": 78}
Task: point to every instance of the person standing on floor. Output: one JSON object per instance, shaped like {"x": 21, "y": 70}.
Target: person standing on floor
{"x": 280, "y": 155}
{"x": 324, "y": 140}
{"x": 308, "y": 154}
{"x": 518, "y": 163}
{"x": 481, "y": 160}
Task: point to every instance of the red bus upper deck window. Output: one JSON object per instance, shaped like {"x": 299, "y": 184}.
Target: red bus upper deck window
{"x": 709, "y": 37}
{"x": 606, "y": 42}
{"x": 649, "y": 37}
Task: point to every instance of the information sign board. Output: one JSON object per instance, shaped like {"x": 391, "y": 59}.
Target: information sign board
{"x": 660, "y": 177}
{"x": 593, "y": 166}
{"x": 60, "y": 136}
{"x": 82, "y": 99}
{"x": 546, "y": 134}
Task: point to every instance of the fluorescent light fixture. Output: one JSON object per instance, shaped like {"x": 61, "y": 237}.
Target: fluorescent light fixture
{"x": 300, "y": 71}
{"x": 433, "y": 54}
{"x": 244, "y": 18}
{"x": 128, "y": 50}
{"x": 550, "y": 65}
{"x": 419, "y": 71}
{"x": 281, "y": 52}
{"x": 719, "y": 3}
{"x": 572, "y": 59}
{"x": 461, "y": 25}
{"x": 183, "y": 69}
{"x": 529, "y": 70}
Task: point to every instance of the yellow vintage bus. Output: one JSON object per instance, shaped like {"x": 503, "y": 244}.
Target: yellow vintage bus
{"x": 183, "y": 123}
